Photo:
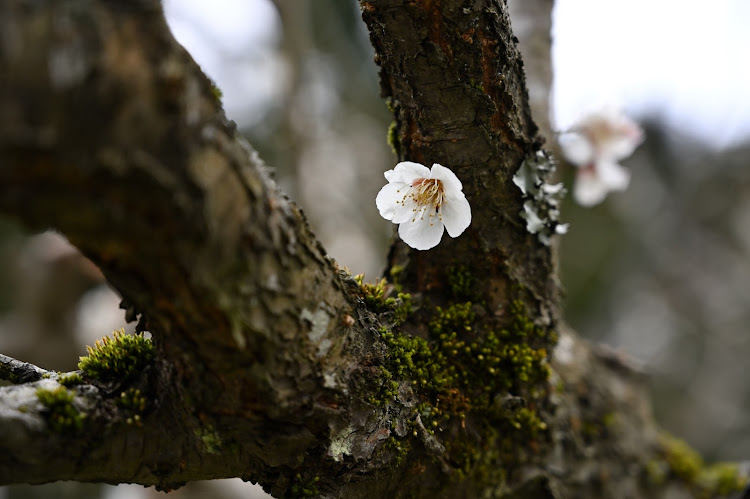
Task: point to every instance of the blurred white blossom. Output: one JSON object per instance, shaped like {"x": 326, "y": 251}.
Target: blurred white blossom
{"x": 423, "y": 201}
{"x": 595, "y": 145}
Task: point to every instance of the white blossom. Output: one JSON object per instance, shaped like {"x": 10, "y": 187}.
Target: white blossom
{"x": 595, "y": 146}
{"x": 423, "y": 201}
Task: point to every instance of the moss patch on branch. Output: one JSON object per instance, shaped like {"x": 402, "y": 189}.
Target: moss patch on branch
{"x": 132, "y": 403}
{"x": 677, "y": 459}
{"x": 70, "y": 379}
{"x": 398, "y": 308}
{"x": 305, "y": 488}
{"x": 117, "y": 358}
{"x": 60, "y": 413}
{"x": 494, "y": 382}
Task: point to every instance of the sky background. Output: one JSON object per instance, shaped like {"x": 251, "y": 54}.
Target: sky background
{"x": 681, "y": 60}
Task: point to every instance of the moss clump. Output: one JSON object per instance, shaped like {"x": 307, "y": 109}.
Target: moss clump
{"x": 496, "y": 380}
{"x": 305, "y": 488}
{"x": 210, "y": 438}
{"x": 396, "y": 272}
{"x": 70, "y": 379}
{"x": 7, "y": 374}
{"x": 680, "y": 460}
{"x": 461, "y": 283}
{"x": 722, "y": 479}
{"x": 392, "y": 138}
{"x": 216, "y": 91}
{"x": 683, "y": 461}
{"x": 374, "y": 295}
{"x": 476, "y": 85}
{"x": 117, "y": 358}
{"x": 132, "y": 403}
{"x": 60, "y": 413}
{"x": 132, "y": 400}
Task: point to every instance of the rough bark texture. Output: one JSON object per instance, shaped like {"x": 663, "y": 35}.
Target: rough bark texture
{"x": 271, "y": 364}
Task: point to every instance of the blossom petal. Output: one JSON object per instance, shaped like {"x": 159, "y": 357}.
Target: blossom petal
{"x": 451, "y": 184}
{"x": 623, "y": 135}
{"x": 589, "y": 189}
{"x": 406, "y": 171}
{"x": 421, "y": 234}
{"x": 405, "y": 211}
{"x": 456, "y": 214}
{"x": 611, "y": 174}
{"x": 577, "y": 148}
{"x": 622, "y": 146}
{"x": 389, "y": 198}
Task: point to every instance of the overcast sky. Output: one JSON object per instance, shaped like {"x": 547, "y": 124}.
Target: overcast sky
{"x": 685, "y": 61}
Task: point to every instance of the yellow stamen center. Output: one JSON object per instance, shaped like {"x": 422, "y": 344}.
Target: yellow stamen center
{"x": 428, "y": 195}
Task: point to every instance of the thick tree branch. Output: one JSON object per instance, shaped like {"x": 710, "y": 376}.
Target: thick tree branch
{"x": 111, "y": 133}
{"x": 16, "y": 371}
{"x": 454, "y": 78}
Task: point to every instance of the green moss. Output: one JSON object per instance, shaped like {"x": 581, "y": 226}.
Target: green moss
{"x": 400, "y": 447}
{"x": 393, "y": 139}
{"x": 60, "y": 413}
{"x": 117, "y": 358}
{"x": 401, "y": 307}
{"x": 374, "y": 295}
{"x": 210, "y": 438}
{"x": 396, "y": 273}
{"x": 458, "y": 374}
{"x": 70, "y": 379}
{"x": 684, "y": 463}
{"x": 305, "y": 488}
{"x": 476, "y": 85}
{"x": 458, "y": 317}
{"x": 722, "y": 479}
{"x": 657, "y": 471}
{"x": 132, "y": 400}
{"x": 609, "y": 419}
{"x": 216, "y": 91}
{"x": 461, "y": 283}
{"x": 7, "y": 374}
{"x": 132, "y": 403}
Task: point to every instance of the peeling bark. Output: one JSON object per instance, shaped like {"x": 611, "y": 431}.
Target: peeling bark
{"x": 271, "y": 364}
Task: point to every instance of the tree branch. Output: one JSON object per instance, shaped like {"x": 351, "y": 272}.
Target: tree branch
{"x": 112, "y": 134}
{"x": 455, "y": 82}
{"x": 17, "y": 372}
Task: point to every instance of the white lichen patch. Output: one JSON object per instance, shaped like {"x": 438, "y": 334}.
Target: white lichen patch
{"x": 341, "y": 443}
{"x": 319, "y": 321}
{"x": 541, "y": 208}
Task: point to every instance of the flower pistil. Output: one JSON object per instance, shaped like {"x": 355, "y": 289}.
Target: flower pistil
{"x": 427, "y": 195}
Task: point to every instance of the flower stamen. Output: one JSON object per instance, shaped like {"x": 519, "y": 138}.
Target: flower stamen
{"x": 427, "y": 194}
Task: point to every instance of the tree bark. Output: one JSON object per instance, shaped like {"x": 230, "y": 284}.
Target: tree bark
{"x": 270, "y": 363}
